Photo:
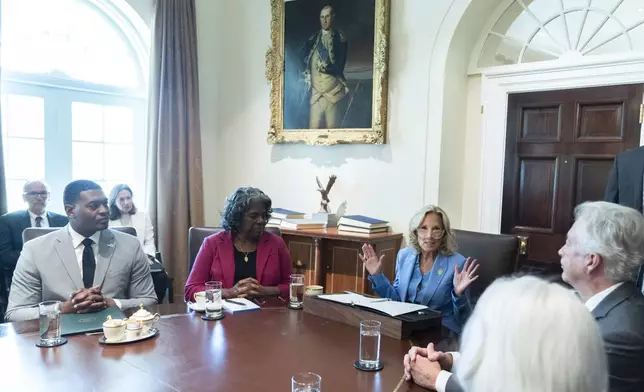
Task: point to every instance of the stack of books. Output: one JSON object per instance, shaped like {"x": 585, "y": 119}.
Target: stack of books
{"x": 362, "y": 224}
{"x": 280, "y": 214}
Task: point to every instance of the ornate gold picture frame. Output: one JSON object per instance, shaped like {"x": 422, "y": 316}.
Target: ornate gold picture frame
{"x": 328, "y": 68}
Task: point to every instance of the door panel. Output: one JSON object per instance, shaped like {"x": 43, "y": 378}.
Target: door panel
{"x": 560, "y": 147}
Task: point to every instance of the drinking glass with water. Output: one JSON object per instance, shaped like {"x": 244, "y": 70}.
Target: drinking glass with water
{"x": 306, "y": 382}
{"x": 213, "y": 299}
{"x": 369, "y": 344}
{"x": 296, "y": 287}
{"x": 50, "y": 323}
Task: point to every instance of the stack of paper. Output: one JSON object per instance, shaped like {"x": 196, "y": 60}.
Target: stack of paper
{"x": 384, "y": 305}
{"x": 239, "y": 305}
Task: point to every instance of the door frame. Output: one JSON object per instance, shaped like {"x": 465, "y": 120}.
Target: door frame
{"x": 497, "y": 83}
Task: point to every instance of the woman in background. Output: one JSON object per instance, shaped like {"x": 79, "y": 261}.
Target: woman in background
{"x": 123, "y": 213}
{"x": 249, "y": 261}
{"x": 428, "y": 272}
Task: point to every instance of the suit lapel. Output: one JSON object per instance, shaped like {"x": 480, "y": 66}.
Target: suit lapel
{"x": 405, "y": 274}
{"x": 65, "y": 251}
{"x": 25, "y": 221}
{"x": 106, "y": 247}
{"x": 263, "y": 251}
{"x": 227, "y": 259}
{"x": 619, "y": 295}
{"x": 438, "y": 272}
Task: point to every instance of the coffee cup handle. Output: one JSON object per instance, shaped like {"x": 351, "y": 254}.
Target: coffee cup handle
{"x": 194, "y": 297}
{"x": 156, "y": 318}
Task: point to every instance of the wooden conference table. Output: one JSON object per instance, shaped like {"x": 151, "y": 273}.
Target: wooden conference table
{"x": 248, "y": 351}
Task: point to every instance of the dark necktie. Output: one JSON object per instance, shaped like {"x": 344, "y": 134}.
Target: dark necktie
{"x": 89, "y": 263}
{"x": 39, "y": 221}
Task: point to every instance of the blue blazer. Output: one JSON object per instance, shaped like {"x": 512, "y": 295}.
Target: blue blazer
{"x": 437, "y": 295}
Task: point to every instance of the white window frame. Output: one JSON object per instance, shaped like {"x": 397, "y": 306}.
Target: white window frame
{"x": 58, "y": 94}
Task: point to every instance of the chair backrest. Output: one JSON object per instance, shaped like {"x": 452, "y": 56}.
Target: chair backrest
{"x": 30, "y": 233}
{"x": 34, "y": 232}
{"x": 126, "y": 230}
{"x": 196, "y": 235}
{"x": 274, "y": 230}
{"x": 497, "y": 254}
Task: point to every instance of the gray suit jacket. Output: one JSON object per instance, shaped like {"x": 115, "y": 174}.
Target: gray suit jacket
{"x": 48, "y": 270}
{"x": 621, "y": 322}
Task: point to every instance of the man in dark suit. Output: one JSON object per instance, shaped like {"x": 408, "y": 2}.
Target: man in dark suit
{"x": 600, "y": 260}
{"x": 36, "y": 195}
{"x": 626, "y": 178}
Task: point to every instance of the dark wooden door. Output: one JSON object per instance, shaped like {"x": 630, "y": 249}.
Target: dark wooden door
{"x": 560, "y": 148}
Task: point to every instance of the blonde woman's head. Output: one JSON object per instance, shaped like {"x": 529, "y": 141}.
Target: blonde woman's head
{"x": 430, "y": 231}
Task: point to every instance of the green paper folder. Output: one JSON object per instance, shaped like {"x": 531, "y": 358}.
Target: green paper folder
{"x": 72, "y": 323}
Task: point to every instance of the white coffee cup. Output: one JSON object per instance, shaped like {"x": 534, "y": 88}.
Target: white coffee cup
{"x": 200, "y": 299}
{"x": 313, "y": 290}
{"x": 114, "y": 330}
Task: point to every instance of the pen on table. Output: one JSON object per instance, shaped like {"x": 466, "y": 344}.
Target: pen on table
{"x": 235, "y": 302}
{"x": 380, "y": 300}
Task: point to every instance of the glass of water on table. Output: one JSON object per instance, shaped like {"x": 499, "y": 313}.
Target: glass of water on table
{"x": 50, "y": 324}
{"x": 296, "y": 291}
{"x": 213, "y": 300}
{"x": 369, "y": 358}
{"x": 306, "y": 382}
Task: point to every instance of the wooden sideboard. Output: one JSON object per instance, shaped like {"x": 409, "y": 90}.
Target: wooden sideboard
{"x": 330, "y": 258}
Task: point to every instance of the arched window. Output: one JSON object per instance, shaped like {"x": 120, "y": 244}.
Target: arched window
{"x": 539, "y": 30}
{"x": 74, "y": 94}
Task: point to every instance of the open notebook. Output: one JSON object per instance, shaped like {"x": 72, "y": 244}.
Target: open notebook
{"x": 384, "y": 305}
{"x": 243, "y": 306}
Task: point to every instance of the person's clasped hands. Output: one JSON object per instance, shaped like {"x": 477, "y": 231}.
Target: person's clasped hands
{"x": 86, "y": 300}
{"x": 423, "y": 365}
{"x": 245, "y": 288}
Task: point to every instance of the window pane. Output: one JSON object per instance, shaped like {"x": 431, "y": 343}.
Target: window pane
{"x": 87, "y": 122}
{"x": 14, "y": 195}
{"x": 119, "y": 163}
{"x": 24, "y": 115}
{"x": 87, "y": 161}
{"x": 25, "y": 158}
{"x": 3, "y": 108}
{"x": 68, "y": 38}
{"x": 118, "y": 124}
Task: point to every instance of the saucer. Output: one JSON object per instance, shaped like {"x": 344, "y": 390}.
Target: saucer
{"x": 194, "y": 306}
{"x": 152, "y": 333}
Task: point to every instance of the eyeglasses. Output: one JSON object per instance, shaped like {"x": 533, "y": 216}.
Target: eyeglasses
{"x": 36, "y": 194}
{"x": 436, "y": 234}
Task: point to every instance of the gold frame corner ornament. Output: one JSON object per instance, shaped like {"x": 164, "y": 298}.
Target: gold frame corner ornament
{"x": 325, "y": 137}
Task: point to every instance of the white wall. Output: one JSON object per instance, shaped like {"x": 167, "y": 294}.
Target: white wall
{"x": 384, "y": 181}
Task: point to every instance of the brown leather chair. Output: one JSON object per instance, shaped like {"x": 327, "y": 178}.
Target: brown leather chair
{"x": 498, "y": 255}
{"x": 196, "y": 236}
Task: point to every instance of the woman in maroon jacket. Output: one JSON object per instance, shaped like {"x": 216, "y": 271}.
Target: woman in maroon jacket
{"x": 249, "y": 261}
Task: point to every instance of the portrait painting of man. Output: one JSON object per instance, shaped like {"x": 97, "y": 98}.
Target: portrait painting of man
{"x": 327, "y": 66}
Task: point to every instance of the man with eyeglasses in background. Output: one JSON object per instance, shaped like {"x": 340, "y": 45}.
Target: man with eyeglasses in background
{"x": 36, "y": 195}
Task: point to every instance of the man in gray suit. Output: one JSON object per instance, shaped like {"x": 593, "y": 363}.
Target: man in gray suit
{"x": 85, "y": 265}
{"x": 600, "y": 260}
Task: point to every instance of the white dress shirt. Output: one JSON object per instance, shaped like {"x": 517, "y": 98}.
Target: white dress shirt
{"x": 43, "y": 223}
{"x": 591, "y": 304}
{"x": 444, "y": 375}
{"x": 77, "y": 242}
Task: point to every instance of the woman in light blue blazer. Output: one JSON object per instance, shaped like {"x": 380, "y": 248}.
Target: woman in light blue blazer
{"x": 429, "y": 271}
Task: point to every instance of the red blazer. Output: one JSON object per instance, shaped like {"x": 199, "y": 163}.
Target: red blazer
{"x": 216, "y": 261}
